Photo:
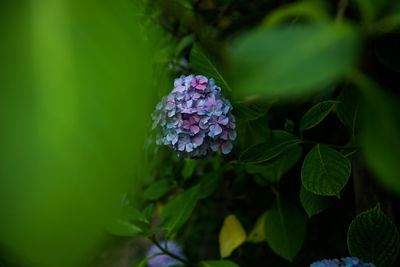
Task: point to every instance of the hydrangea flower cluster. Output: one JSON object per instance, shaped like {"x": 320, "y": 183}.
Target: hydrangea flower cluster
{"x": 195, "y": 118}
{"x": 165, "y": 260}
{"x": 343, "y": 262}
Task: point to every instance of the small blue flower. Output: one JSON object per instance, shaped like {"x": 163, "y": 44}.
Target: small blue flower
{"x": 165, "y": 260}
{"x": 343, "y": 262}
{"x": 195, "y": 118}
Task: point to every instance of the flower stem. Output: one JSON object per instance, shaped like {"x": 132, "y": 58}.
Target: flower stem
{"x": 153, "y": 239}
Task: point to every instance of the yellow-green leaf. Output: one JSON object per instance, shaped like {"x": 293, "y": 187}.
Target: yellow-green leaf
{"x": 232, "y": 235}
{"x": 257, "y": 234}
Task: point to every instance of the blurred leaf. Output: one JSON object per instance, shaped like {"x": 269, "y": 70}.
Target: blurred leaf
{"x": 316, "y": 114}
{"x": 381, "y": 130}
{"x": 250, "y": 110}
{"x": 188, "y": 168}
{"x": 202, "y": 64}
{"x": 179, "y": 209}
{"x": 288, "y": 62}
{"x": 73, "y": 117}
{"x": 231, "y": 236}
{"x": 273, "y": 171}
{"x": 387, "y": 50}
{"x": 220, "y": 263}
{"x": 348, "y": 109}
{"x": 314, "y": 204}
{"x": 257, "y": 234}
{"x": 285, "y": 229}
{"x": 325, "y": 171}
{"x": 268, "y": 150}
{"x": 157, "y": 189}
{"x": 374, "y": 238}
{"x": 312, "y": 11}
{"x": 209, "y": 183}
{"x": 181, "y": 10}
{"x": 183, "y": 44}
{"x": 143, "y": 262}
{"x": 372, "y": 10}
{"x": 121, "y": 227}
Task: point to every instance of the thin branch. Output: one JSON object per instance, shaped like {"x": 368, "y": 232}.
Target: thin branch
{"x": 341, "y": 9}
{"x": 153, "y": 239}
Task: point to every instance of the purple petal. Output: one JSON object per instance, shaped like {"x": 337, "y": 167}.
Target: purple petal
{"x": 223, "y": 120}
{"x": 194, "y": 129}
{"x": 189, "y": 147}
{"x": 232, "y": 135}
{"x": 197, "y": 140}
{"x": 226, "y": 147}
{"x": 216, "y": 129}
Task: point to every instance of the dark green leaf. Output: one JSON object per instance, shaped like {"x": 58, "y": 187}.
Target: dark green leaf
{"x": 285, "y": 229}
{"x": 273, "y": 171}
{"x": 314, "y": 11}
{"x": 142, "y": 262}
{"x": 220, "y": 263}
{"x": 188, "y": 168}
{"x": 268, "y": 150}
{"x": 314, "y": 204}
{"x": 325, "y": 171}
{"x": 202, "y": 64}
{"x": 157, "y": 189}
{"x": 380, "y": 139}
{"x": 209, "y": 183}
{"x": 373, "y": 238}
{"x": 348, "y": 108}
{"x": 250, "y": 110}
{"x": 316, "y": 114}
{"x": 288, "y": 62}
{"x": 387, "y": 50}
{"x": 179, "y": 209}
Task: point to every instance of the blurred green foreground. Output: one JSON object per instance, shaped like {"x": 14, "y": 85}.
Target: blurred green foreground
{"x": 73, "y": 108}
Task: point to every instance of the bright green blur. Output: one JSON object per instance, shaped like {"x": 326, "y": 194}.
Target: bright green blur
{"x": 74, "y": 107}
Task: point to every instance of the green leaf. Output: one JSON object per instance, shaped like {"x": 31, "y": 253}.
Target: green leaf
{"x": 129, "y": 223}
{"x": 257, "y": 234}
{"x": 314, "y": 204}
{"x": 381, "y": 131}
{"x": 231, "y": 236}
{"x": 143, "y": 261}
{"x": 348, "y": 108}
{"x": 285, "y": 229}
{"x": 220, "y": 263}
{"x": 316, "y": 114}
{"x": 179, "y": 209}
{"x": 250, "y": 110}
{"x": 188, "y": 168}
{"x": 293, "y": 61}
{"x": 372, "y": 237}
{"x": 121, "y": 227}
{"x": 310, "y": 10}
{"x": 157, "y": 189}
{"x": 325, "y": 171}
{"x": 386, "y": 50}
{"x": 269, "y": 150}
{"x": 273, "y": 171}
{"x": 202, "y": 64}
{"x": 209, "y": 183}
